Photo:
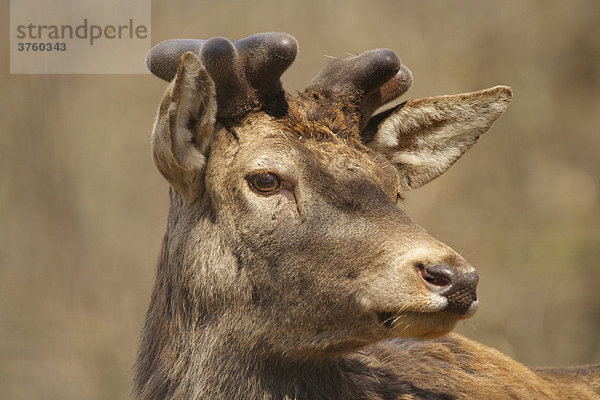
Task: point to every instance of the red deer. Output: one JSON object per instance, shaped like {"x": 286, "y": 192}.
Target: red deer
{"x": 287, "y": 270}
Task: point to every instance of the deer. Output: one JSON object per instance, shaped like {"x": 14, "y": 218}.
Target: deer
{"x": 288, "y": 270}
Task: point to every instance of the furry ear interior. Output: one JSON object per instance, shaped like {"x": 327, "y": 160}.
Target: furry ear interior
{"x": 424, "y": 137}
{"x": 184, "y": 127}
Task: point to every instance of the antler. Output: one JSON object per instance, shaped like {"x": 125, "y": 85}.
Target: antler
{"x": 367, "y": 81}
{"x": 245, "y": 72}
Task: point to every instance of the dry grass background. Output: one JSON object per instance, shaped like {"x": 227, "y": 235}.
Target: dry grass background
{"x": 82, "y": 209}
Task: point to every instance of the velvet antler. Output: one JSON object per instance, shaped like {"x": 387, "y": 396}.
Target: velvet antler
{"x": 245, "y": 72}
{"x": 367, "y": 81}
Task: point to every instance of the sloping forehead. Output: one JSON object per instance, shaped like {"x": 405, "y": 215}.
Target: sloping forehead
{"x": 315, "y": 143}
{"x": 307, "y": 117}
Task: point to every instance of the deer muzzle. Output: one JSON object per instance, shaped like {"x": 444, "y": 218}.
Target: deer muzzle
{"x": 459, "y": 288}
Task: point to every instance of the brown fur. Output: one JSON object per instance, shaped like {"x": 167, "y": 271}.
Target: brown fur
{"x": 281, "y": 295}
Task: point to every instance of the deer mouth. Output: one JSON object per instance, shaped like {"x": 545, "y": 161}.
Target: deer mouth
{"x": 437, "y": 305}
{"x": 386, "y": 318}
{"x": 424, "y": 325}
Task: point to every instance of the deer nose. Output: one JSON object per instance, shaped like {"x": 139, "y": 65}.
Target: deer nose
{"x": 459, "y": 288}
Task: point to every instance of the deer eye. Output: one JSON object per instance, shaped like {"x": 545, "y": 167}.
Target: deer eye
{"x": 264, "y": 183}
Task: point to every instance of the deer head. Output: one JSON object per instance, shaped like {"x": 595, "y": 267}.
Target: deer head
{"x": 284, "y": 229}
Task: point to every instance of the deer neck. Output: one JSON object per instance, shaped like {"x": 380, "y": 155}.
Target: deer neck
{"x": 194, "y": 349}
{"x": 219, "y": 359}
{"x": 230, "y": 369}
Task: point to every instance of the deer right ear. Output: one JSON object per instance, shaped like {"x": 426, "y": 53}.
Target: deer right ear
{"x": 424, "y": 137}
{"x": 184, "y": 128}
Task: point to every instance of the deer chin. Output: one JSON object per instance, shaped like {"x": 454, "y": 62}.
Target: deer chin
{"x": 422, "y": 324}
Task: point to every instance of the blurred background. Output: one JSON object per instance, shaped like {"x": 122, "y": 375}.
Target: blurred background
{"x": 83, "y": 210}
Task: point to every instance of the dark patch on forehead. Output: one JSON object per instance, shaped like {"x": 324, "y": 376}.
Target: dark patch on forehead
{"x": 350, "y": 191}
{"x": 359, "y": 194}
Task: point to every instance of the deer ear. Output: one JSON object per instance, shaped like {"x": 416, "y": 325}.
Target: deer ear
{"x": 184, "y": 128}
{"x": 424, "y": 137}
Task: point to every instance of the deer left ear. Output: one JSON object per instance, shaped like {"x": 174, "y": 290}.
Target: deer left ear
{"x": 424, "y": 137}
{"x": 184, "y": 128}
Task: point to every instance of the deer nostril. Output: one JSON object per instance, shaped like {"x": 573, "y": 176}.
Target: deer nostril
{"x": 459, "y": 288}
{"x": 440, "y": 276}
{"x": 462, "y": 294}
